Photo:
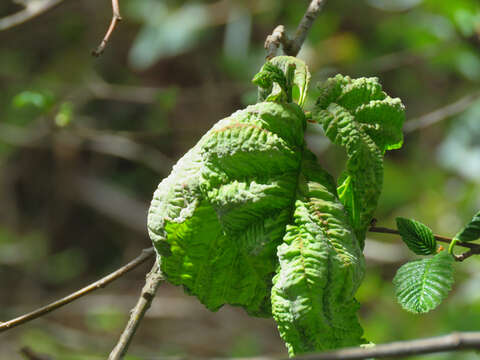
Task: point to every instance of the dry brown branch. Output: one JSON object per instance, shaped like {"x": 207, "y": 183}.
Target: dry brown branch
{"x": 144, "y": 256}
{"x": 273, "y": 41}
{"x": 292, "y": 46}
{"x": 401, "y": 349}
{"x": 113, "y": 24}
{"x": 31, "y": 11}
{"x": 154, "y": 278}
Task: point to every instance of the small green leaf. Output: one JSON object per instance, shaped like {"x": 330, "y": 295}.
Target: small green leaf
{"x": 421, "y": 285}
{"x": 418, "y": 237}
{"x": 40, "y": 100}
{"x": 471, "y": 231}
{"x": 65, "y": 114}
{"x": 283, "y": 76}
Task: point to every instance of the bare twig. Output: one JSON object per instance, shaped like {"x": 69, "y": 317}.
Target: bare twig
{"x": 154, "y": 278}
{"x": 452, "y": 342}
{"x": 31, "y": 11}
{"x": 441, "y": 114}
{"x": 467, "y": 254}
{"x": 474, "y": 249}
{"x": 304, "y": 27}
{"x": 115, "y": 19}
{"x": 292, "y": 46}
{"x": 144, "y": 256}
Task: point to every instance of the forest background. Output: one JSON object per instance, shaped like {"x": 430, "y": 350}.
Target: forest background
{"x": 84, "y": 142}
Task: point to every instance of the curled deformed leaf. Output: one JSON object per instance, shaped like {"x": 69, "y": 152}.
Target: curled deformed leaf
{"x": 283, "y": 74}
{"x": 418, "y": 237}
{"x": 321, "y": 267}
{"x": 421, "y": 285}
{"x": 247, "y": 217}
{"x": 357, "y": 115}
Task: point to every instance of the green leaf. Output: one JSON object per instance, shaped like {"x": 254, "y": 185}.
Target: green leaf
{"x": 321, "y": 267}
{"x": 421, "y": 285}
{"x": 283, "y": 74}
{"x": 248, "y": 188}
{"x": 357, "y": 115}
{"x": 65, "y": 114}
{"x": 418, "y": 237}
{"x": 39, "y": 100}
{"x": 471, "y": 231}
{"x": 223, "y": 210}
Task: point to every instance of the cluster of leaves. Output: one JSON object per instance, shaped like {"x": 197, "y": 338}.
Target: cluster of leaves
{"x": 421, "y": 285}
{"x": 248, "y": 217}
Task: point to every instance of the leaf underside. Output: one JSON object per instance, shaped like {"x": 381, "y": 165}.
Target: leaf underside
{"x": 421, "y": 285}
{"x": 418, "y": 237}
{"x": 471, "y": 231}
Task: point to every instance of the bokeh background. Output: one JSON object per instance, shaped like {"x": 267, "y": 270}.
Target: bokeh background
{"x": 84, "y": 141}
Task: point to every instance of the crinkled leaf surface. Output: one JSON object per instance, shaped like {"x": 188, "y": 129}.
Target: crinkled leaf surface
{"x": 418, "y": 237}
{"x": 471, "y": 231}
{"x": 321, "y": 266}
{"x": 296, "y": 76}
{"x": 421, "y": 285}
{"x": 357, "y": 115}
{"x": 223, "y": 210}
{"x": 249, "y": 201}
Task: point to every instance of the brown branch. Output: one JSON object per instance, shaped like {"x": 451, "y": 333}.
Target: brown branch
{"x": 144, "y": 256}
{"x": 31, "y": 11}
{"x": 304, "y": 27}
{"x": 452, "y": 342}
{"x": 474, "y": 249}
{"x": 154, "y": 278}
{"x": 292, "y": 46}
{"x": 113, "y": 24}
{"x": 441, "y": 114}
{"x": 273, "y": 41}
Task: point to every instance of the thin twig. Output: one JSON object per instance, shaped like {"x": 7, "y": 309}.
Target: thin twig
{"x": 455, "y": 341}
{"x": 441, "y": 114}
{"x": 31, "y": 11}
{"x": 467, "y": 254}
{"x": 154, "y": 278}
{"x": 306, "y": 23}
{"x": 473, "y": 248}
{"x": 115, "y": 19}
{"x": 292, "y": 46}
{"x": 144, "y": 256}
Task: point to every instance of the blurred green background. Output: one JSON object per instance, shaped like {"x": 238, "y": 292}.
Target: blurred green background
{"x": 84, "y": 141}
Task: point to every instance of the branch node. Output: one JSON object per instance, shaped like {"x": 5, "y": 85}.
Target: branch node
{"x": 292, "y": 47}
{"x": 273, "y": 41}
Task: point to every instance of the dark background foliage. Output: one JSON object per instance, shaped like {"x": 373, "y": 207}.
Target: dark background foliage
{"x": 84, "y": 141}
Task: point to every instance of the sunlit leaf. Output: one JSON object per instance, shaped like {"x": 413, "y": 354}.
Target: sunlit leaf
{"x": 418, "y": 237}
{"x": 421, "y": 285}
